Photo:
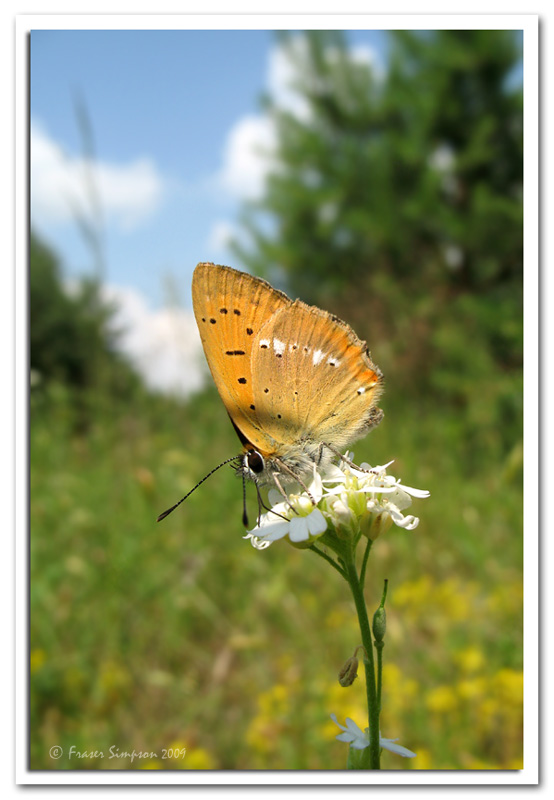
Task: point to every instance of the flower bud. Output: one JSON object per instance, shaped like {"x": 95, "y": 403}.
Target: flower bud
{"x": 349, "y": 672}
{"x": 379, "y": 624}
{"x": 374, "y": 525}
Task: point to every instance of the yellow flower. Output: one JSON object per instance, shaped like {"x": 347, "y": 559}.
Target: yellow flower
{"x": 471, "y": 659}
{"x": 413, "y": 593}
{"x": 478, "y": 763}
{"x": 260, "y": 735}
{"x": 442, "y": 699}
{"x": 507, "y": 685}
{"x": 152, "y": 763}
{"x": 471, "y": 689}
{"x": 198, "y": 758}
{"x": 423, "y": 759}
{"x": 275, "y": 702}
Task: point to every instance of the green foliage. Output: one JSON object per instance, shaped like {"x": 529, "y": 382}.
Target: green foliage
{"x": 396, "y": 204}
{"x": 146, "y": 635}
{"x": 71, "y": 341}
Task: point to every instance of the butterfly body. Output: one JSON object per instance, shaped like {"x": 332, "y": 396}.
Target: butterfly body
{"x": 297, "y": 383}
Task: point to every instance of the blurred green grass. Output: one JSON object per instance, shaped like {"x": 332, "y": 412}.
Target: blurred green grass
{"x": 148, "y": 636}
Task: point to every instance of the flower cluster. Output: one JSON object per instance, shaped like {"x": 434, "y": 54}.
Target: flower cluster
{"x": 351, "y": 500}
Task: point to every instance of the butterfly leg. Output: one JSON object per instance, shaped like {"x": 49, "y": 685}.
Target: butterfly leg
{"x": 342, "y": 457}
{"x": 299, "y": 480}
{"x": 262, "y": 505}
{"x": 285, "y": 496}
{"x": 322, "y": 447}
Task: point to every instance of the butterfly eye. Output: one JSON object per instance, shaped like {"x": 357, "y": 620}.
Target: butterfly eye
{"x": 255, "y": 461}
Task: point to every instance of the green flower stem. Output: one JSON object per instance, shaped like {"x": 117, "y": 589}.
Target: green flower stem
{"x": 364, "y": 561}
{"x": 379, "y": 647}
{"x": 328, "y": 559}
{"x": 379, "y": 644}
{"x": 369, "y": 664}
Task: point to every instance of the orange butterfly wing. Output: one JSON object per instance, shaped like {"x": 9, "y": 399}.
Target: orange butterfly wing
{"x": 230, "y": 309}
{"x": 315, "y": 381}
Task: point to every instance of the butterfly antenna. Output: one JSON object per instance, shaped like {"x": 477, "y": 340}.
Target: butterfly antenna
{"x": 168, "y": 511}
{"x": 244, "y": 513}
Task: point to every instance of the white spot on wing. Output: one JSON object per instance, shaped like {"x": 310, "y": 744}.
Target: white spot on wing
{"x": 334, "y": 362}
{"x": 317, "y": 357}
{"x": 264, "y": 342}
{"x": 361, "y": 390}
{"x": 279, "y": 346}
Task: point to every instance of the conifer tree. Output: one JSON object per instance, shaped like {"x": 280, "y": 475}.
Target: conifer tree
{"x": 395, "y": 201}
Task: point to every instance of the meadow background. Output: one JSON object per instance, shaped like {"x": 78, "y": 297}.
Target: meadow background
{"x": 394, "y": 200}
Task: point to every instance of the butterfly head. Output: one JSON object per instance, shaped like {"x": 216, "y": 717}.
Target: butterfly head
{"x": 253, "y": 464}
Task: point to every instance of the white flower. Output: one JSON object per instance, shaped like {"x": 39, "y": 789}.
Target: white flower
{"x": 350, "y": 499}
{"x": 298, "y": 528}
{"x": 360, "y": 740}
{"x": 297, "y": 517}
{"x": 377, "y": 498}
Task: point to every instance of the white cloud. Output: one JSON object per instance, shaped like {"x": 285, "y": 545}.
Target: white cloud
{"x": 128, "y": 193}
{"x": 164, "y": 346}
{"x": 282, "y": 74}
{"x": 220, "y": 235}
{"x": 248, "y": 154}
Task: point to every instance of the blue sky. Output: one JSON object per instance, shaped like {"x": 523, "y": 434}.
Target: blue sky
{"x": 171, "y": 101}
{"x": 176, "y": 119}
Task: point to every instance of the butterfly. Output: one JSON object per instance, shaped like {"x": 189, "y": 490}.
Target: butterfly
{"x": 296, "y": 381}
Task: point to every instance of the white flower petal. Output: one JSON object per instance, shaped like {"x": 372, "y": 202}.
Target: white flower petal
{"x": 410, "y": 523}
{"x": 401, "y": 500}
{"x": 359, "y": 744}
{"x": 274, "y": 497}
{"x": 352, "y": 734}
{"x": 272, "y": 531}
{"x": 388, "y": 744}
{"x": 316, "y": 486}
{"x": 359, "y": 740}
{"x": 257, "y": 543}
{"x": 353, "y": 728}
{"x": 380, "y": 468}
{"x": 334, "y": 475}
{"x": 317, "y": 523}
{"x": 376, "y": 489}
{"x": 422, "y": 493}
{"x": 298, "y": 529}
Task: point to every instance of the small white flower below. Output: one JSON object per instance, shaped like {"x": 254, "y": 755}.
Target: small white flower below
{"x": 360, "y": 740}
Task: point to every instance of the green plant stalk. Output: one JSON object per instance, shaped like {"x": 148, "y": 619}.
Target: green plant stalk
{"x": 379, "y": 628}
{"x": 379, "y": 647}
{"x": 369, "y": 664}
